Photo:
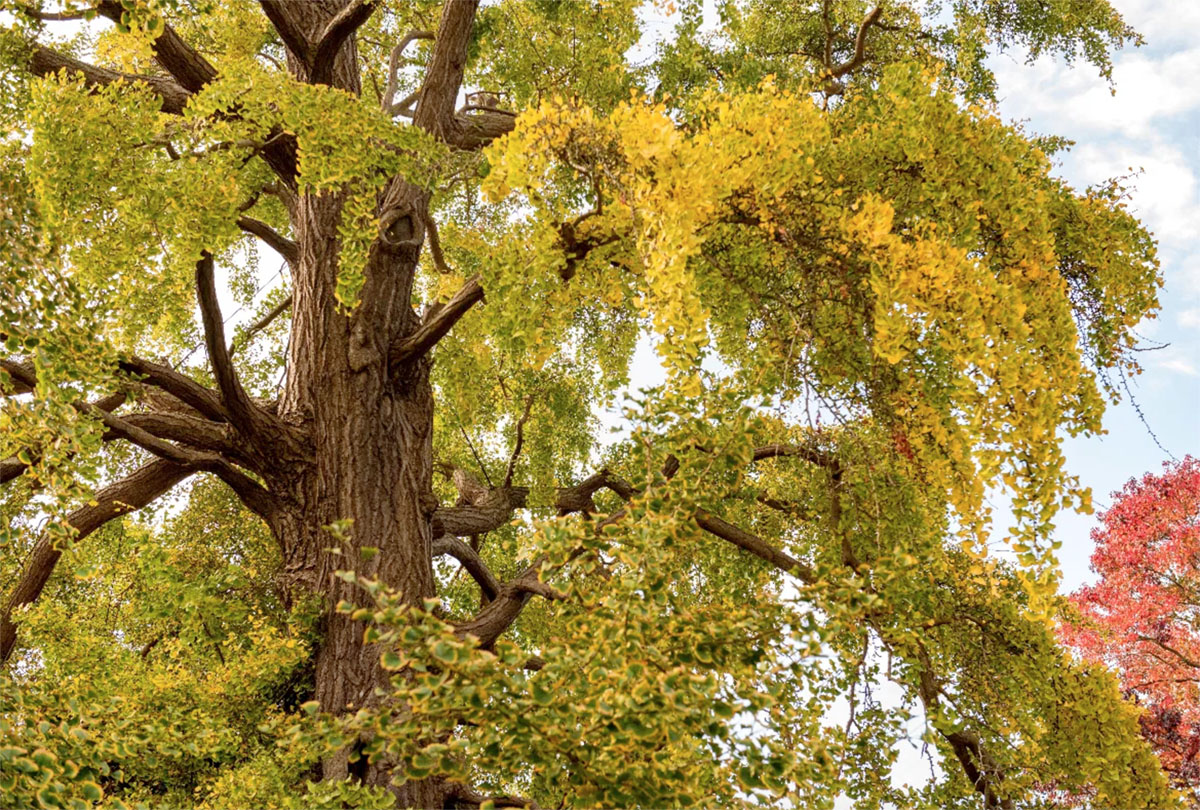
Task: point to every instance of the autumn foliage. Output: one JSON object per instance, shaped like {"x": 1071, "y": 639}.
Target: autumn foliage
{"x": 1140, "y": 617}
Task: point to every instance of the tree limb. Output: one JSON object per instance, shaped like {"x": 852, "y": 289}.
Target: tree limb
{"x": 435, "y": 111}
{"x": 46, "y": 62}
{"x": 860, "y": 45}
{"x": 389, "y": 94}
{"x": 206, "y": 401}
{"x": 285, "y": 247}
{"x": 245, "y": 414}
{"x": 516, "y": 452}
{"x": 755, "y": 545}
{"x": 179, "y": 59}
{"x": 129, "y": 494}
{"x": 339, "y": 29}
{"x": 436, "y": 325}
{"x": 293, "y": 38}
{"x": 470, "y": 559}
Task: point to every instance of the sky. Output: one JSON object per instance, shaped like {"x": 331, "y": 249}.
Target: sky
{"x": 1149, "y": 126}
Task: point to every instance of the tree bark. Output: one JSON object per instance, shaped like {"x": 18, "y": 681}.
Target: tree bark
{"x": 369, "y": 462}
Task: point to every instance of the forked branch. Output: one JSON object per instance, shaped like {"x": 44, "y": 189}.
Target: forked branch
{"x": 339, "y": 29}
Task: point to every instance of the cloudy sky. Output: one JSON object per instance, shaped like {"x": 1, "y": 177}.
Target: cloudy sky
{"x": 1150, "y": 126}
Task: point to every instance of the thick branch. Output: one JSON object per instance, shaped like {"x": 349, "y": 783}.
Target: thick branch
{"x": 487, "y": 513}
{"x": 499, "y": 614}
{"x": 127, "y": 495}
{"x": 192, "y": 431}
{"x": 443, "y": 78}
{"x": 206, "y": 401}
{"x": 339, "y": 29}
{"x": 46, "y": 62}
{"x": 245, "y": 414}
{"x": 181, "y": 60}
{"x": 285, "y": 247}
{"x": 435, "y": 108}
{"x": 435, "y": 327}
{"x": 860, "y": 45}
{"x": 293, "y": 38}
{"x": 471, "y": 561}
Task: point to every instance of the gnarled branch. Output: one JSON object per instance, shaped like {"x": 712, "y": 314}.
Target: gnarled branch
{"x": 470, "y": 559}
{"x": 389, "y": 94}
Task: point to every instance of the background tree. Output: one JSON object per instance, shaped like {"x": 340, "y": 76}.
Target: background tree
{"x": 871, "y": 300}
{"x": 1140, "y": 617}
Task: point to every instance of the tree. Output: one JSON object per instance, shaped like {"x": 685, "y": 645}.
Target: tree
{"x": 871, "y": 299}
{"x": 1138, "y": 618}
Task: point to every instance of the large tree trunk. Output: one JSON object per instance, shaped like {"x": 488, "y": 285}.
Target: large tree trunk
{"x": 370, "y": 464}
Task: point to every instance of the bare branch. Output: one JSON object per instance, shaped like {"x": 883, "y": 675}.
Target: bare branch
{"x": 488, "y": 513}
{"x": 404, "y": 105}
{"x": 516, "y": 453}
{"x": 263, "y": 322}
{"x": 206, "y": 401}
{"x": 755, "y": 545}
{"x": 470, "y": 559}
{"x": 389, "y": 94}
{"x": 339, "y": 29}
{"x": 860, "y": 44}
{"x": 436, "y": 326}
{"x": 285, "y": 247}
{"x": 127, "y": 495}
{"x": 192, "y": 431}
{"x": 245, "y": 414}
{"x": 435, "y": 245}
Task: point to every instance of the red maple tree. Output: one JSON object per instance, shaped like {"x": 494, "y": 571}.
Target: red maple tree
{"x": 1142, "y": 618}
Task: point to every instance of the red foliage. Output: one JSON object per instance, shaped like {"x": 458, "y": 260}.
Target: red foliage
{"x": 1142, "y": 618}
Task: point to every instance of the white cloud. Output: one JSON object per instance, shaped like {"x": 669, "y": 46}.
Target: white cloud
{"x": 1179, "y": 365}
{"x": 1189, "y": 318}
{"x": 1161, "y": 23}
{"x": 1164, "y": 188}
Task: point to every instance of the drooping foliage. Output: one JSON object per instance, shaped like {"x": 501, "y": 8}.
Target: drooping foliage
{"x": 1138, "y": 618}
{"x": 872, "y": 303}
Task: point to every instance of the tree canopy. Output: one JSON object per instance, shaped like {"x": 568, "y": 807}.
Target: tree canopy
{"x": 389, "y": 552}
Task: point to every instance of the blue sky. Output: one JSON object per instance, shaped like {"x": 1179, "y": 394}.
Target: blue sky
{"x": 1151, "y": 125}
